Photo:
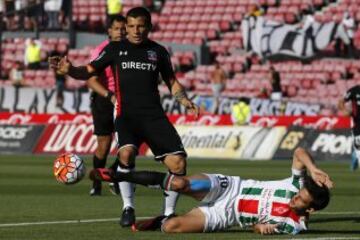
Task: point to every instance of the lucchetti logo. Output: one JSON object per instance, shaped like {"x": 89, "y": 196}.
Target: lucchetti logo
{"x": 14, "y": 132}
{"x": 77, "y": 138}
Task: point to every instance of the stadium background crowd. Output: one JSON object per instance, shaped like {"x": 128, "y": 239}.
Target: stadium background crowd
{"x": 212, "y": 28}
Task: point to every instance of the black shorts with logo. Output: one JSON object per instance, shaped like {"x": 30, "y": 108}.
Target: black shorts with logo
{"x": 102, "y": 111}
{"x": 157, "y": 132}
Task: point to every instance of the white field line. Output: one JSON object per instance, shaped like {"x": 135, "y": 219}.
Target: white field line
{"x": 3, "y": 225}
{"x": 63, "y": 222}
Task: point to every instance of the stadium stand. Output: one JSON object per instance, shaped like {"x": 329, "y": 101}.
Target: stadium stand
{"x": 216, "y": 24}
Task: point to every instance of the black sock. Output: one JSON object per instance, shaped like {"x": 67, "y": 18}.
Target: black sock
{"x": 145, "y": 178}
{"x": 98, "y": 163}
{"x": 115, "y": 165}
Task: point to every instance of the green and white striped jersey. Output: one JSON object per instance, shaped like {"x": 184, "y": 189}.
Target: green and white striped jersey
{"x": 268, "y": 202}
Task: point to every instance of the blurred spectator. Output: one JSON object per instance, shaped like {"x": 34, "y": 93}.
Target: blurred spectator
{"x": 218, "y": 81}
{"x": 32, "y": 53}
{"x": 64, "y": 14}
{"x": 52, "y": 9}
{"x": 157, "y": 5}
{"x": 276, "y": 93}
{"x": 10, "y": 14}
{"x": 240, "y": 113}
{"x": 34, "y": 14}
{"x": 20, "y": 6}
{"x": 248, "y": 61}
{"x": 114, "y": 8}
{"x": 2, "y": 10}
{"x": 16, "y": 75}
{"x": 149, "y": 4}
{"x": 263, "y": 94}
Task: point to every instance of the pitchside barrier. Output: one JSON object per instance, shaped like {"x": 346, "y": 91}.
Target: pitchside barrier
{"x": 230, "y": 142}
{"x": 19, "y": 138}
{"x": 333, "y": 144}
{"x": 210, "y": 136}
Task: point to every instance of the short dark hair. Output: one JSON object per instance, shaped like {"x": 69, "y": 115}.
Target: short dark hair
{"x": 320, "y": 195}
{"x": 116, "y": 18}
{"x": 140, "y": 12}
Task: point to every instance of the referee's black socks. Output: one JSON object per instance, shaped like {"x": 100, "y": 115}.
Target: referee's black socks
{"x": 98, "y": 163}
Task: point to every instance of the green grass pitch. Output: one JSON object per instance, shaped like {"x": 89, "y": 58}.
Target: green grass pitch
{"x": 30, "y": 195}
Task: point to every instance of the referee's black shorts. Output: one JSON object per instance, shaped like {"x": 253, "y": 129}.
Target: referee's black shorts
{"x": 157, "y": 132}
{"x": 102, "y": 111}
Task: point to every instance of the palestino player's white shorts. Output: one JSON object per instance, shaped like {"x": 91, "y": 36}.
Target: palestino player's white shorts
{"x": 218, "y": 204}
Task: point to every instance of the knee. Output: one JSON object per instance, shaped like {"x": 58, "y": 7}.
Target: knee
{"x": 176, "y": 164}
{"x": 179, "y": 184}
{"x": 172, "y": 225}
{"x": 126, "y": 156}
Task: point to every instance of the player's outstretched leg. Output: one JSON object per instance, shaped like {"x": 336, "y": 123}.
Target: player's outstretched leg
{"x": 196, "y": 186}
{"x": 191, "y": 222}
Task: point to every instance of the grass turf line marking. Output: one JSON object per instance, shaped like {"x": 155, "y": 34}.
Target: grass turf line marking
{"x": 62, "y": 222}
{"x": 116, "y": 219}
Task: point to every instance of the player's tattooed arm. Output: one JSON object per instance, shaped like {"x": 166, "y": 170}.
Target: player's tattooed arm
{"x": 180, "y": 95}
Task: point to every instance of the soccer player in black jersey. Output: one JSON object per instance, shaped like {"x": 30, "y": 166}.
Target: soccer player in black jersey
{"x": 136, "y": 63}
{"x": 102, "y": 109}
{"x": 353, "y": 95}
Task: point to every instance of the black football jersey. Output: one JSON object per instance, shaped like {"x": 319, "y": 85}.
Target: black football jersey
{"x": 136, "y": 71}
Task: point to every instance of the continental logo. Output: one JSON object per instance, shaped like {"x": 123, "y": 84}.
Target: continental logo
{"x": 292, "y": 140}
{"x": 217, "y": 140}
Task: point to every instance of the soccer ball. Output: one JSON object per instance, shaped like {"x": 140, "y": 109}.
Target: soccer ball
{"x": 69, "y": 168}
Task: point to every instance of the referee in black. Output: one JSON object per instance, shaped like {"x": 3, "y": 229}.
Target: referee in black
{"x": 136, "y": 63}
{"x": 353, "y": 95}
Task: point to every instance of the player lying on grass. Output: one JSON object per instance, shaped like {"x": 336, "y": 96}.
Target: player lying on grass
{"x": 267, "y": 206}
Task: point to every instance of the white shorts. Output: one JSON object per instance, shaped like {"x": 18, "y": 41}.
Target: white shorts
{"x": 217, "y": 88}
{"x": 218, "y": 204}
